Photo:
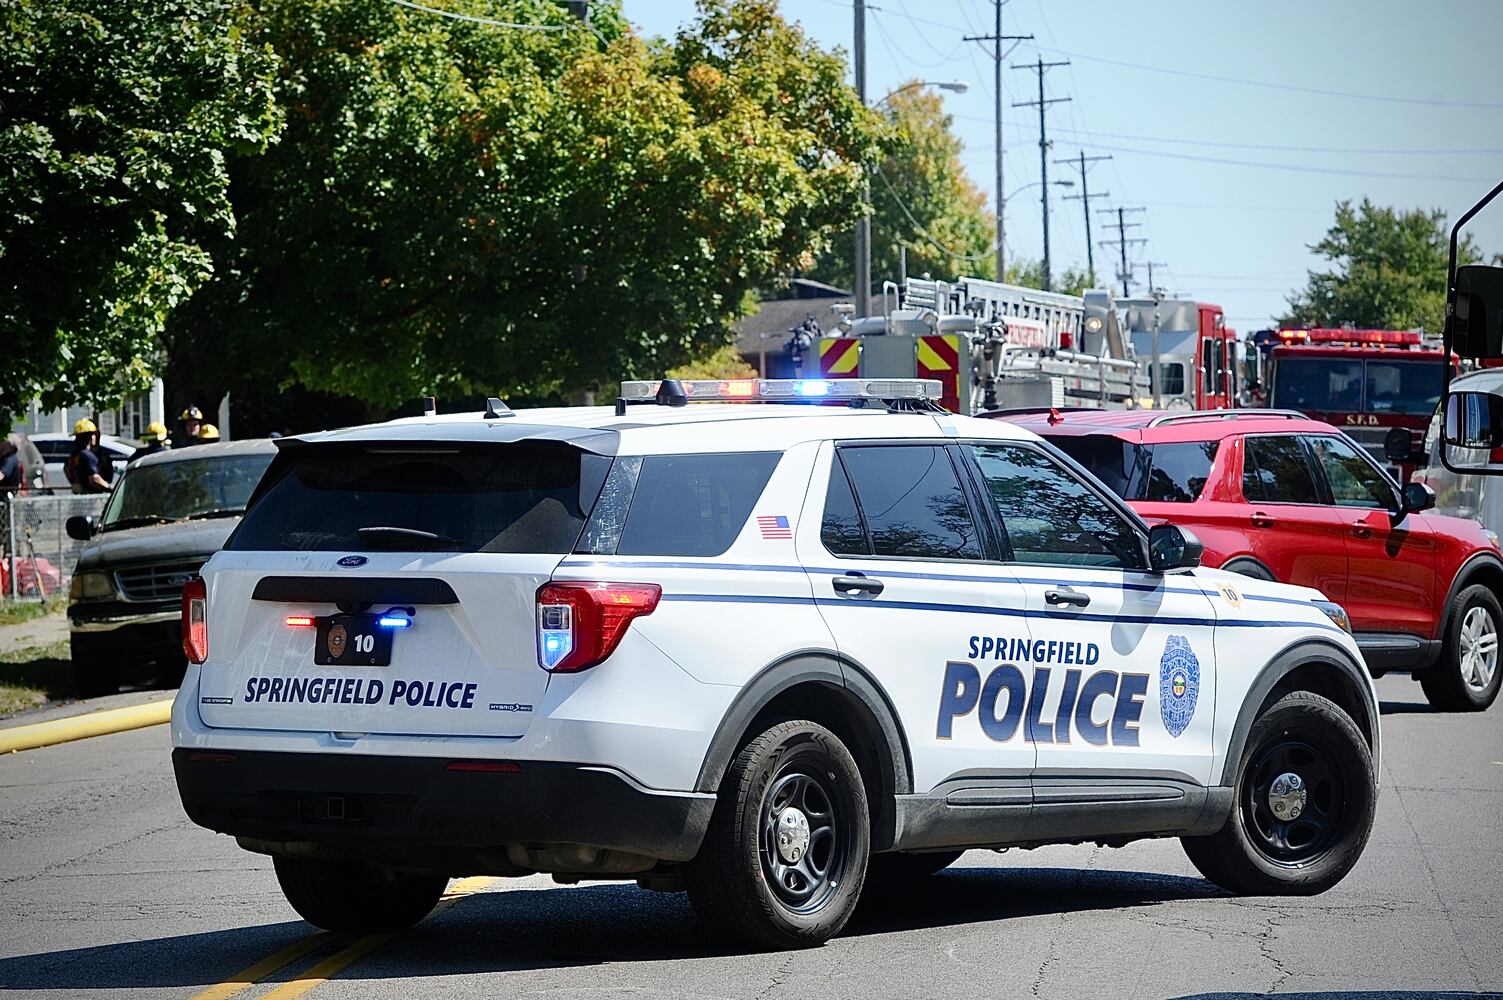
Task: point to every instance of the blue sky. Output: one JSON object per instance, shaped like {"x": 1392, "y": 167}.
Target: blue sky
{"x": 1315, "y": 101}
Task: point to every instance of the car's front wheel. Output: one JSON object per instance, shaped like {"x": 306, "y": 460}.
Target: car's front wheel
{"x": 1306, "y": 795}
{"x": 1467, "y": 677}
{"x": 785, "y": 856}
{"x": 357, "y": 898}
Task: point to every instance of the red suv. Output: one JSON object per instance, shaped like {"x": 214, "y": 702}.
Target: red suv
{"x": 1277, "y": 496}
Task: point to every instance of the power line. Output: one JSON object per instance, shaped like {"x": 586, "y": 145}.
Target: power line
{"x": 455, "y": 15}
{"x": 1122, "y": 240}
{"x": 918, "y": 227}
{"x": 1274, "y": 148}
{"x": 1085, "y": 197}
{"x": 1291, "y": 167}
{"x": 1043, "y": 105}
{"x": 1288, "y": 87}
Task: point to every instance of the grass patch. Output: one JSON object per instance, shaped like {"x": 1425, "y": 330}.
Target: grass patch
{"x": 16, "y": 612}
{"x": 35, "y": 676}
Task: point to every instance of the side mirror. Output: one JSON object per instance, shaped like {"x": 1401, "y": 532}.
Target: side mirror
{"x": 1172, "y": 548}
{"x": 1398, "y": 445}
{"x": 1476, "y": 320}
{"x": 1474, "y": 420}
{"x": 80, "y": 527}
{"x": 1418, "y": 497}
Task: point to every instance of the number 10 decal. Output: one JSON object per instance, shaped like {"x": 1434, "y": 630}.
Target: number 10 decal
{"x": 365, "y": 643}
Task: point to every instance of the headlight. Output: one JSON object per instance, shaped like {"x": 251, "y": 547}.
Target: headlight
{"x": 1492, "y": 536}
{"x": 91, "y": 587}
{"x": 1336, "y": 613}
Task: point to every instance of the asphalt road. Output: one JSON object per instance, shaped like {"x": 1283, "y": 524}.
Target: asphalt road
{"x": 107, "y": 890}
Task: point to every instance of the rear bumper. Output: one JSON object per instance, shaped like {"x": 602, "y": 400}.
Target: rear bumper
{"x": 417, "y": 810}
{"x": 123, "y": 632}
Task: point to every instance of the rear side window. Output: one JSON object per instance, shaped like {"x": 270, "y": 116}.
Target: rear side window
{"x": 450, "y": 498}
{"x": 693, "y": 505}
{"x": 1179, "y": 471}
{"x": 841, "y": 530}
{"x": 1275, "y": 470}
{"x": 911, "y": 502}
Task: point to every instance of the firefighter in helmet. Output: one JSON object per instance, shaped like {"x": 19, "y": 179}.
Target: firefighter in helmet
{"x": 154, "y": 439}
{"x": 83, "y": 468}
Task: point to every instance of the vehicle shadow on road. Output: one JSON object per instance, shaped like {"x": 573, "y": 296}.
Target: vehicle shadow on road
{"x": 1405, "y": 708}
{"x": 521, "y": 929}
{"x": 1351, "y": 995}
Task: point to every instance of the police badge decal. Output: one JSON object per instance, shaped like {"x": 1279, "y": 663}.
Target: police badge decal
{"x": 1179, "y": 683}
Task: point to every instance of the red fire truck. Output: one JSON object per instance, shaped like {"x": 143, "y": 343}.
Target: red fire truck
{"x": 1197, "y": 364}
{"x": 1365, "y": 381}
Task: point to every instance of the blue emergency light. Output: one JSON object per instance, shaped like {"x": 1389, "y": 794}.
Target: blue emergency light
{"x": 755, "y": 390}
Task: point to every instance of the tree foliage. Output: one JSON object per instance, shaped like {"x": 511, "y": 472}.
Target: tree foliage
{"x": 1388, "y": 271}
{"x": 459, "y": 209}
{"x": 1030, "y": 274}
{"x": 922, "y": 200}
{"x": 113, "y": 178}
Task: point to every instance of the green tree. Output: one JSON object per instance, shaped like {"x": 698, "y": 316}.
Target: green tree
{"x": 1030, "y": 274}
{"x": 922, "y": 200}
{"x": 113, "y": 176}
{"x": 1388, "y": 271}
{"x": 460, "y": 209}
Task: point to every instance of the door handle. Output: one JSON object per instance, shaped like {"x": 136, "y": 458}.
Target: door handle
{"x": 856, "y": 584}
{"x": 1071, "y": 597}
{"x": 1362, "y": 529}
{"x": 1262, "y": 520}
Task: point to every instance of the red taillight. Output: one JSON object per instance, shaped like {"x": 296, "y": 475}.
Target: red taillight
{"x": 580, "y": 624}
{"x": 300, "y": 621}
{"x": 196, "y": 621}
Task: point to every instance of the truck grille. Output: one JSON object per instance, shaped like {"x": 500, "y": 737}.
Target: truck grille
{"x": 163, "y": 582}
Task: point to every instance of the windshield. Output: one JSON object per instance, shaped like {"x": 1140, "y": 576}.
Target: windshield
{"x": 1410, "y": 386}
{"x": 173, "y": 491}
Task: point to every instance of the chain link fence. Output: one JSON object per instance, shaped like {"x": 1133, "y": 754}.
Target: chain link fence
{"x": 36, "y": 554}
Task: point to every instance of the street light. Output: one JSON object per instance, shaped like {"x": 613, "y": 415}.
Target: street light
{"x": 1025, "y": 187}
{"x": 863, "y": 287}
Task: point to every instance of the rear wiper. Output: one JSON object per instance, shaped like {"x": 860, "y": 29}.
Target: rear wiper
{"x": 391, "y": 534}
{"x": 136, "y": 522}
{"x": 217, "y": 512}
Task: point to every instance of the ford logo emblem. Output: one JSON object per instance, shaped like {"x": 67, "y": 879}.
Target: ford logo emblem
{"x": 353, "y": 561}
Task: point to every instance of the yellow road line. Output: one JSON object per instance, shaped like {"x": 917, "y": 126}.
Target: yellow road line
{"x": 335, "y": 963}
{"x": 247, "y": 977}
{"x": 78, "y": 727}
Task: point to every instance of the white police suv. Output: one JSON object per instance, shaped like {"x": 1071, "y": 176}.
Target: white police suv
{"x": 764, "y": 653}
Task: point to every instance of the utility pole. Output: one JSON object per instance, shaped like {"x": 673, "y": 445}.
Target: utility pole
{"x": 1085, "y": 197}
{"x": 863, "y": 268}
{"x": 997, "y": 38}
{"x": 1151, "y": 264}
{"x": 1122, "y": 241}
{"x": 1043, "y": 105}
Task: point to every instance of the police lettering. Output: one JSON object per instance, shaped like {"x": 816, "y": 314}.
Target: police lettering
{"x": 1006, "y": 704}
{"x": 986, "y": 647}
{"x": 358, "y": 691}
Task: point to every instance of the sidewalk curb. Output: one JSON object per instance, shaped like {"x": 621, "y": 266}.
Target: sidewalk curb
{"x": 80, "y": 727}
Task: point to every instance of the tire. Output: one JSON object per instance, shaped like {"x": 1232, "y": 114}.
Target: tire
{"x": 1467, "y": 677}
{"x": 1250, "y": 568}
{"x": 356, "y": 898}
{"x": 901, "y": 866}
{"x": 1258, "y": 854}
{"x": 744, "y": 882}
{"x": 93, "y": 678}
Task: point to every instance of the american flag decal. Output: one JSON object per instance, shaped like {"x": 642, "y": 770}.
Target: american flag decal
{"x": 774, "y": 526}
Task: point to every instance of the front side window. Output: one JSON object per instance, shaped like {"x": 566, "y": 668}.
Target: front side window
{"x": 1275, "y": 470}
{"x": 1354, "y": 481}
{"x": 1171, "y": 378}
{"x": 911, "y": 502}
{"x": 1052, "y": 518}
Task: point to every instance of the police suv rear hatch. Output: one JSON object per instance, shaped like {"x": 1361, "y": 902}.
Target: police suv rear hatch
{"x": 390, "y": 587}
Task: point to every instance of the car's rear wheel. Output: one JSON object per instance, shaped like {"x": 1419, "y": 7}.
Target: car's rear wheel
{"x": 1467, "y": 677}
{"x": 357, "y": 898}
{"x": 1306, "y": 795}
{"x": 785, "y": 856}
{"x": 1250, "y": 568}
{"x": 93, "y": 677}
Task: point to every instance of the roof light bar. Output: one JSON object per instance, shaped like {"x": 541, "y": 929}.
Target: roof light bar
{"x": 789, "y": 389}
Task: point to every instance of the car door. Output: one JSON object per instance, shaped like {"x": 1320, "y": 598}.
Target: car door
{"x": 905, "y": 574}
{"x": 1290, "y": 528}
{"x": 1123, "y": 659}
{"x": 1390, "y": 557}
